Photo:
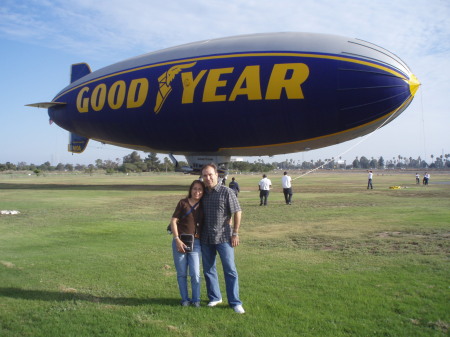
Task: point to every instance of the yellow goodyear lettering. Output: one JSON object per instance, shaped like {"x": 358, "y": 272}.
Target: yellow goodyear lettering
{"x": 287, "y": 77}
{"x": 114, "y": 96}
{"x": 137, "y": 93}
{"x": 213, "y": 82}
{"x": 98, "y": 97}
{"x": 83, "y": 102}
{"x": 252, "y": 89}
{"x": 279, "y": 81}
{"x": 189, "y": 85}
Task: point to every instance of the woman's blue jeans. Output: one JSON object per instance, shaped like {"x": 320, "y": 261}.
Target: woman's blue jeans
{"x": 226, "y": 253}
{"x": 185, "y": 262}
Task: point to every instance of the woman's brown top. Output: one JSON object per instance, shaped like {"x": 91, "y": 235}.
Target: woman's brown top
{"x": 192, "y": 223}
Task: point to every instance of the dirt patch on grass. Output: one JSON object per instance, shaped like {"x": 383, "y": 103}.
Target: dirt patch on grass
{"x": 384, "y": 243}
{"x": 8, "y": 264}
{"x": 388, "y": 234}
{"x": 68, "y": 290}
{"x": 169, "y": 271}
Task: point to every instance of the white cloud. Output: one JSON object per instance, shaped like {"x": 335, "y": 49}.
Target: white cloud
{"x": 101, "y": 26}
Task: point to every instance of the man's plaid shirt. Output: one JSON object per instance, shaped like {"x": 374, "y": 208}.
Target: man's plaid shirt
{"x": 219, "y": 204}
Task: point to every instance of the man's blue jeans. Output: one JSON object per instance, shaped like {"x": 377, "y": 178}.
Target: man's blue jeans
{"x": 263, "y": 195}
{"x": 186, "y": 261}
{"x": 226, "y": 253}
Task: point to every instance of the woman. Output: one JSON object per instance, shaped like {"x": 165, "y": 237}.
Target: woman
{"x": 187, "y": 219}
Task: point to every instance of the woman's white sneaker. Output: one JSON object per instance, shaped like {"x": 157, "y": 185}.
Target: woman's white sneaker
{"x": 214, "y": 303}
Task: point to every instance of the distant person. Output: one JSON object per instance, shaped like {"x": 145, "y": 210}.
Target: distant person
{"x": 220, "y": 206}
{"x": 234, "y": 186}
{"x": 187, "y": 219}
{"x": 369, "y": 181}
{"x": 417, "y": 178}
{"x": 426, "y": 178}
{"x": 264, "y": 187}
{"x": 224, "y": 180}
{"x": 287, "y": 188}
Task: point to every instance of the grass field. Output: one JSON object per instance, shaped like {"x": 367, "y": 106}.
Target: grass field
{"x": 89, "y": 256}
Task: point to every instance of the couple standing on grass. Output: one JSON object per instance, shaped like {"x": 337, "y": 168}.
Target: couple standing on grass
{"x": 206, "y": 213}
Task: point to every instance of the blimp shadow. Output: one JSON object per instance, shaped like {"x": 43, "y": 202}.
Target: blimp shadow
{"x": 97, "y": 187}
{"x": 60, "y": 296}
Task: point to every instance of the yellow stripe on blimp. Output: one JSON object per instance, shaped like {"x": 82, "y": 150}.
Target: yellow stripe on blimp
{"x": 230, "y": 56}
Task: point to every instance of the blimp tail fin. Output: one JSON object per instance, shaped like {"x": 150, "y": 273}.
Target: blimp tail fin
{"x": 79, "y": 70}
{"x": 77, "y": 143}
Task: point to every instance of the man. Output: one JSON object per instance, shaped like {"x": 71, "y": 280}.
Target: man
{"x": 426, "y": 178}
{"x": 369, "y": 181}
{"x": 287, "y": 188}
{"x": 220, "y": 204}
{"x": 264, "y": 186}
{"x": 234, "y": 186}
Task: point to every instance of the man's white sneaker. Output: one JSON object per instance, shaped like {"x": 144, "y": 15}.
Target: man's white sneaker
{"x": 214, "y": 303}
{"x": 239, "y": 309}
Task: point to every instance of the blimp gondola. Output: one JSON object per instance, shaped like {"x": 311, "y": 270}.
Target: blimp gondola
{"x": 248, "y": 95}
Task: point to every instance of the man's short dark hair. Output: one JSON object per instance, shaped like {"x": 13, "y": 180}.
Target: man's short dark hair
{"x": 210, "y": 165}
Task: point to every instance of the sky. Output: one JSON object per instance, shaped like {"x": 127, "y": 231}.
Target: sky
{"x": 40, "y": 39}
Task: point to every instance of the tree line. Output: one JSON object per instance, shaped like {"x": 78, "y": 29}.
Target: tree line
{"x": 151, "y": 163}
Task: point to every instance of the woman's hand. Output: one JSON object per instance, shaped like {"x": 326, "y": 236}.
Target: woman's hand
{"x": 180, "y": 245}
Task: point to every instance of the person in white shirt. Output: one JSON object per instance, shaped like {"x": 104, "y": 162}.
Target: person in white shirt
{"x": 287, "y": 188}
{"x": 264, "y": 186}
{"x": 369, "y": 182}
{"x": 426, "y": 178}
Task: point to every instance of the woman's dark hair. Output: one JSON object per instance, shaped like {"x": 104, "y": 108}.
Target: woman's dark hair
{"x": 192, "y": 185}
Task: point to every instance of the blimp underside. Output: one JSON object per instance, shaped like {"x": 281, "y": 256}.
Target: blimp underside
{"x": 253, "y": 95}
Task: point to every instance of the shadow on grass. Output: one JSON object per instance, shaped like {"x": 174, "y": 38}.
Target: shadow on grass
{"x": 43, "y": 295}
{"x": 6, "y": 186}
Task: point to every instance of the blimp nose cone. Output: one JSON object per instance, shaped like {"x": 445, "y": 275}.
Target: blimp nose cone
{"x": 413, "y": 84}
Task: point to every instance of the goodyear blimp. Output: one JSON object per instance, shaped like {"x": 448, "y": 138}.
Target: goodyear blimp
{"x": 249, "y": 95}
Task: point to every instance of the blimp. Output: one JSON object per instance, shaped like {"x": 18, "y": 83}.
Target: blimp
{"x": 247, "y": 95}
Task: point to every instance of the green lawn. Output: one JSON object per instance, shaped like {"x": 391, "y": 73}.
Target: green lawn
{"x": 89, "y": 256}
